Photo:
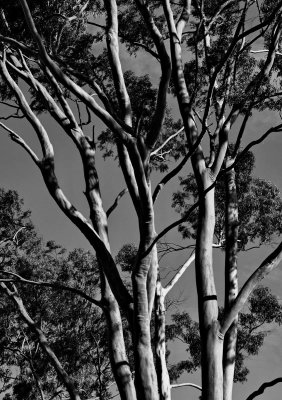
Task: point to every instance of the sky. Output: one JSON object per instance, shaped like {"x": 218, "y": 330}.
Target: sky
{"x": 17, "y": 171}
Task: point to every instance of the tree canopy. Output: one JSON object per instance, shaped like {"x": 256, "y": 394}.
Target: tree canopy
{"x": 216, "y": 66}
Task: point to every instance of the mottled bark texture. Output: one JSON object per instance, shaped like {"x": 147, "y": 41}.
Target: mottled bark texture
{"x": 160, "y": 344}
{"x": 231, "y": 279}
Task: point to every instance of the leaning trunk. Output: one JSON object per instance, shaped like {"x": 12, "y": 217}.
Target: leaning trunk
{"x": 231, "y": 281}
{"x": 211, "y": 339}
{"x": 161, "y": 365}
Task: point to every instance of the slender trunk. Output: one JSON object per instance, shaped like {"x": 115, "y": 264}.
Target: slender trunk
{"x": 161, "y": 366}
{"x": 231, "y": 281}
{"x": 118, "y": 357}
{"x": 211, "y": 339}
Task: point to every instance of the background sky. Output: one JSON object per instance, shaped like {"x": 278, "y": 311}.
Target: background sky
{"x": 17, "y": 171}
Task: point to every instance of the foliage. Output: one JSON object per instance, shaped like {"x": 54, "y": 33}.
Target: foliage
{"x": 64, "y": 58}
{"x": 74, "y": 328}
{"x": 259, "y": 206}
{"x": 264, "y": 312}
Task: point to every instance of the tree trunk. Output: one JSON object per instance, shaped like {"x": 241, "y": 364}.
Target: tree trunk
{"x": 211, "y": 339}
{"x": 212, "y": 374}
{"x": 161, "y": 366}
{"x": 98, "y": 216}
{"x": 231, "y": 280}
{"x": 118, "y": 357}
{"x": 145, "y": 372}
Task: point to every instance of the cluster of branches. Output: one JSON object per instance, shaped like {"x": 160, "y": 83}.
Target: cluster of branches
{"x": 221, "y": 84}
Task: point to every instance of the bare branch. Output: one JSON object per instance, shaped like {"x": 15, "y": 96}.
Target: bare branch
{"x": 115, "y": 204}
{"x": 177, "y": 385}
{"x": 178, "y": 168}
{"x": 53, "y": 285}
{"x": 46, "y": 146}
{"x": 265, "y": 51}
{"x": 122, "y": 131}
{"x": 165, "y": 62}
{"x": 262, "y": 388}
{"x": 267, "y": 266}
{"x": 18, "y": 139}
{"x": 67, "y": 122}
{"x": 178, "y": 275}
{"x": 113, "y": 52}
{"x": 167, "y": 141}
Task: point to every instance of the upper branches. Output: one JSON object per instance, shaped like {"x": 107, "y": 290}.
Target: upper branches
{"x": 113, "y": 52}
{"x": 47, "y": 168}
{"x": 71, "y": 85}
{"x": 165, "y": 62}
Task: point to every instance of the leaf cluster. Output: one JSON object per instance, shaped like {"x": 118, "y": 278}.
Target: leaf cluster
{"x": 259, "y": 206}
{"x": 264, "y": 309}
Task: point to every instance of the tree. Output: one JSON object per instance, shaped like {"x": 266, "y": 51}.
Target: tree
{"x": 73, "y": 328}
{"x": 221, "y": 83}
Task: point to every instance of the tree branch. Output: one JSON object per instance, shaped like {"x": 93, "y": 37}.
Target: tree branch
{"x": 123, "y": 132}
{"x": 115, "y": 204}
{"x": 18, "y": 139}
{"x": 264, "y": 269}
{"x": 262, "y": 388}
{"x": 153, "y": 153}
{"x": 46, "y": 146}
{"x": 277, "y": 128}
{"x": 165, "y": 62}
{"x": 54, "y": 285}
{"x": 177, "y": 385}
{"x": 113, "y": 52}
{"x": 178, "y": 275}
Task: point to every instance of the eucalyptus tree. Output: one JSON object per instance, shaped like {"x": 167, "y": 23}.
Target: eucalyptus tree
{"x": 251, "y": 218}
{"x": 48, "y": 46}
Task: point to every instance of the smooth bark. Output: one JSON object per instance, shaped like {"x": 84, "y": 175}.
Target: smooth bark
{"x": 160, "y": 344}
{"x": 118, "y": 357}
{"x": 145, "y": 372}
{"x": 211, "y": 338}
{"x": 231, "y": 279}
